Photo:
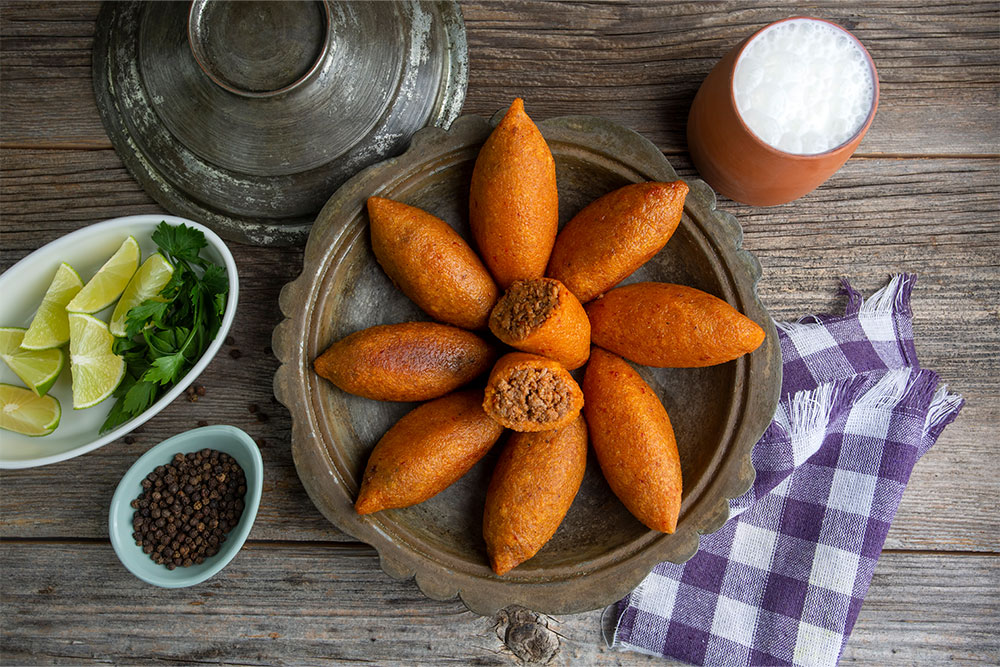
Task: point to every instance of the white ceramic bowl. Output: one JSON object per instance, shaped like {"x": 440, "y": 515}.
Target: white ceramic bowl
{"x": 22, "y": 287}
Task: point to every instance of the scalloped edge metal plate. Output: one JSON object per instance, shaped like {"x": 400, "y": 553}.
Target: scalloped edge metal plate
{"x": 486, "y": 594}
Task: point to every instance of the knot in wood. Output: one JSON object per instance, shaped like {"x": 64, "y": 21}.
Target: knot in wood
{"x": 526, "y": 634}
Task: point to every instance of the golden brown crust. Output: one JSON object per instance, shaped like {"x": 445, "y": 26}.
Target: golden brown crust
{"x": 431, "y": 264}
{"x": 541, "y": 316}
{"x": 513, "y": 202}
{"x": 633, "y": 440}
{"x": 615, "y": 235}
{"x": 534, "y": 483}
{"x": 413, "y": 361}
{"x": 671, "y": 326}
{"x": 427, "y": 451}
{"x": 527, "y": 392}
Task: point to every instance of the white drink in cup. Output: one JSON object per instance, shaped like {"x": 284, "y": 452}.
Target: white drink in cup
{"x": 804, "y": 86}
{"x": 782, "y": 111}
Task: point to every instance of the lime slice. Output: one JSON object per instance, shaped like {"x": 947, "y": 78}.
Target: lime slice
{"x": 37, "y": 368}
{"x": 23, "y": 412}
{"x": 109, "y": 282}
{"x": 97, "y": 371}
{"x": 147, "y": 282}
{"x": 50, "y": 328}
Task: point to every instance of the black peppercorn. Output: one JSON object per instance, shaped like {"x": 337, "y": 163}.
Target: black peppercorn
{"x": 187, "y": 507}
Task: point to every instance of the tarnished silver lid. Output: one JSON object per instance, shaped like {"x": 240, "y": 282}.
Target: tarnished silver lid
{"x": 248, "y": 115}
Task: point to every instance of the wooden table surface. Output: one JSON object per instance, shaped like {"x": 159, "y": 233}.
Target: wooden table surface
{"x": 921, "y": 195}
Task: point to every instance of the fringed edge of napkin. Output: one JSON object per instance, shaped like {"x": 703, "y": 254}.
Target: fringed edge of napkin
{"x": 915, "y": 390}
{"x": 893, "y": 299}
{"x": 901, "y": 388}
{"x": 807, "y": 413}
{"x": 800, "y": 421}
{"x": 891, "y": 303}
{"x": 943, "y": 410}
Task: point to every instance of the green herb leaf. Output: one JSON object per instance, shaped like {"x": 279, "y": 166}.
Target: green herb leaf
{"x": 168, "y": 341}
{"x": 176, "y": 282}
{"x": 180, "y": 241}
{"x": 165, "y": 369}
{"x": 139, "y": 316}
{"x": 215, "y": 281}
{"x": 165, "y": 337}
{"x": 116, "y": 417}
{"x": 140, "y": 396}
{"x": 134, "y": 398}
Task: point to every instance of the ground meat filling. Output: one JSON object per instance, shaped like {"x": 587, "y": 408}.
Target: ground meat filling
{"x": 532, "y": 394}
{"x": 526, "y": 306}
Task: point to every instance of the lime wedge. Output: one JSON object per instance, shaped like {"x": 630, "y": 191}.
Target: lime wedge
{"x": 50, "y": 328}
{"x": 97, "y": 371}
{"x": 147, "y": 282}
{"x": 37, "y": 368}
{"x": 24, "y": 412}
{"x": 109, "y": 282}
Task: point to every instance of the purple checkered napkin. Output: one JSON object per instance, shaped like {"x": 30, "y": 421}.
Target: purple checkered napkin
{"x": 783, "y": 581}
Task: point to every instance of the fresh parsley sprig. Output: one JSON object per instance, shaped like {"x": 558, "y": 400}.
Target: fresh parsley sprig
{"x": 165, "y": 336}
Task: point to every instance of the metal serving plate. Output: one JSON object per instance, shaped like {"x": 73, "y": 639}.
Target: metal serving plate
{"x": 600, "y": 552}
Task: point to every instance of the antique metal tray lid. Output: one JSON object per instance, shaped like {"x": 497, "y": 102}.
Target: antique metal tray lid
{"x": 247, "y": 116}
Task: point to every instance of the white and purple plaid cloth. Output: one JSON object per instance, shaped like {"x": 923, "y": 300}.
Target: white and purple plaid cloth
{"x": 783, "y": 581}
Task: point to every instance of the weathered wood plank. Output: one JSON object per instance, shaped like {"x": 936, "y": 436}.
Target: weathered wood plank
{"x": 301, "y": 592}
{"x": 48, "y": 98}
{"x": 930, "y": 216}
{"x": 916, "y": 612}
{"x": 638, "y": 64}
{"x": 295, "y": 604}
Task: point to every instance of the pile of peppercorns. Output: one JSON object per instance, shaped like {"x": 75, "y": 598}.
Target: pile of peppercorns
{"x": 187, "y": 507}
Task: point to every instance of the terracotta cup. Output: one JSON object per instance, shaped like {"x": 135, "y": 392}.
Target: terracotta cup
{"x": 734, "y": 161}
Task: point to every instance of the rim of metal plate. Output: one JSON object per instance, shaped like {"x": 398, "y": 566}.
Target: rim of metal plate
{"x": 260, "y": 209}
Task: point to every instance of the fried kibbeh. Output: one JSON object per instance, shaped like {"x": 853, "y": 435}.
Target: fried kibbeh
{"x": 427, "y": 451}
{"x": 534, "y": 483}
{"x": 671, "y": 326}
{"x": 513, "y": 202}
{"x": 615, "y": 235}
{"x": 633, "y": 440}
{"x": 529, "y": 393}
{"x": 412, "y": 361}
{"x": 541, "y": 316}
{"x": 431, "y": 264}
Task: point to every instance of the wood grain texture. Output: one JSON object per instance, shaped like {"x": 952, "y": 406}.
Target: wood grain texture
{"x": 331, "y": 603}
{"x": 921, "y": 196}
{"x": 935, "y": 63}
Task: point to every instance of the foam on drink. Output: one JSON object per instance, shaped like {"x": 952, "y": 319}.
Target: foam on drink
{"x": 803, "y": 86}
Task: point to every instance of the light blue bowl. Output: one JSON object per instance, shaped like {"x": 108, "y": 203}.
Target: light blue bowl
{"x": 228, "y": 439}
